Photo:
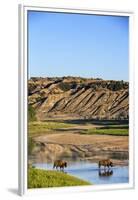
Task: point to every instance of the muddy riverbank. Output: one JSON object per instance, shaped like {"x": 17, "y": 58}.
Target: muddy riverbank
{"x": 71, "y": 146}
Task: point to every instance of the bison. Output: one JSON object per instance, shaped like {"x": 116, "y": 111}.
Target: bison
{"x": 106, "y": 163}
{"x": 60, "y": 163}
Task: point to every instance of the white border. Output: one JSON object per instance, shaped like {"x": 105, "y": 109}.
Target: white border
{"x": 23, "y": 102}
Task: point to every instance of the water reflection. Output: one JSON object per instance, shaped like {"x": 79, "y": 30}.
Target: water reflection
{"x": 90, "y": 172}
{"x": 105, "y": 172}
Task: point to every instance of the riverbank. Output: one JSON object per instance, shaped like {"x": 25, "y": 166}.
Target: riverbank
{"x": 80, "y": 147}
{"x": 79, "y": 139}
{"x": 38, "y": 178}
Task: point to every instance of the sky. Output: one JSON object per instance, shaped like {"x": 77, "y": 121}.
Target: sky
{"x": 64, "y": 44}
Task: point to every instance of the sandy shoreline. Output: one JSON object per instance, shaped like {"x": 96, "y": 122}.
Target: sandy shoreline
{"x": 73, "y": 146}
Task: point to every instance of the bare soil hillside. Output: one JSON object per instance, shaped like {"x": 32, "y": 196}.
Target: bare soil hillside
{"x": 80, "y": 97}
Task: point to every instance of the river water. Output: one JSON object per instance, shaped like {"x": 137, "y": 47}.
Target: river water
{"x": 89, "y": 171}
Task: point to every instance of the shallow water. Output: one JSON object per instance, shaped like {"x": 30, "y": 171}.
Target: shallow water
{"x": 89, "y": 171}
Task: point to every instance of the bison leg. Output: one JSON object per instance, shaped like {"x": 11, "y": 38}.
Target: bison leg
{"x": 62, "y": 169}
{"x": 99, "y": 165}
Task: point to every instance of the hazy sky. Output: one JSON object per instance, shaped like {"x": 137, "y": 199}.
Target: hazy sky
{"x": 62, "y": 44}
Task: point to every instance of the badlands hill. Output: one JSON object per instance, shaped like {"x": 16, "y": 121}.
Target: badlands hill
{"x": 76, "y": 97}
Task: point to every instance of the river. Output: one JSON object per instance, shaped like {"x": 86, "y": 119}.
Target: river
{"x": 89, "y": 171}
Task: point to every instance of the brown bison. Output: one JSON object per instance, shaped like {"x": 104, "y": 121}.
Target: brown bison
{"x": 60, "y": 163}
{"x": 106, "y": 163}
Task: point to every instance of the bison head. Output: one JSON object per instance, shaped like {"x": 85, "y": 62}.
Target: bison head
{"x": 111, "y": 164}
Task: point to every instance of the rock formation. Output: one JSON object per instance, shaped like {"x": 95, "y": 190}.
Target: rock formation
{"x": 78, "y": 97}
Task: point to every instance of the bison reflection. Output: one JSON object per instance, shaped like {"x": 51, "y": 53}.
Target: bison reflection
{"x": 60, "y": 164}
{"x": 105, "y": 173}
{"x": 107, "y": 163}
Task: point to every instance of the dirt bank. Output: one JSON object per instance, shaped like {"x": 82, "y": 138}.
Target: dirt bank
{"x": 80, "y": 147}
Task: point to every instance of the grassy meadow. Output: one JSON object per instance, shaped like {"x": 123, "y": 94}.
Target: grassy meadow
{"x": 111, "y": 127}
{"x": 38, "y": 178}
{"x": 38, "y": 128}
{"x": 118, "y": 130}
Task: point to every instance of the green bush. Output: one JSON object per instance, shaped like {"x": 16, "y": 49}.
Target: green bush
{"x": 117, "y": 85}
{"x": 64, "y": 86}
{"x": 31, "y": 113}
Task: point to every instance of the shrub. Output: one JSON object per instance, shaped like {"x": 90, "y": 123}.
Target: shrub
{"x": 117, "y": 85}
{"x": 31, "y": 145}
{"x": 64, "y": 86}
{"x": 31, "y": 113}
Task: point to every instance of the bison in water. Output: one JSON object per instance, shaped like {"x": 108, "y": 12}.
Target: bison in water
{"x": 60, "y": 164}
{"x": 106, "y": 163}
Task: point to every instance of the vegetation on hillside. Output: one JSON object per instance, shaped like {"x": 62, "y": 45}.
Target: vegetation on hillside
{"x": 117, "y": 85}
{"x": 31, "y": 113}
{"x": 111, "y": 85}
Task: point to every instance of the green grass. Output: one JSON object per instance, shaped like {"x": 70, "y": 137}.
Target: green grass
{"x": 37, "y": 128}
{"x": 123, "y": 126}
{"x": 107, "y": 131}
{"x": 42, "y": 178}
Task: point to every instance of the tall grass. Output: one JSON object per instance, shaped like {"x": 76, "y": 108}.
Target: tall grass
{"x": 37, "y": 128}
{"x": 107, "y": 131}
{"x": 42, "y": 178}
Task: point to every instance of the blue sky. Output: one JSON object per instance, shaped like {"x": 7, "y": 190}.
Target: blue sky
{"x": 62, "y": 44}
